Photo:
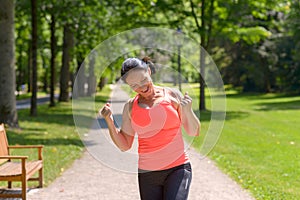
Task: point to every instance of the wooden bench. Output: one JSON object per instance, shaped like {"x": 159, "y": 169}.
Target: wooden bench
{"x": 21, "y": 171}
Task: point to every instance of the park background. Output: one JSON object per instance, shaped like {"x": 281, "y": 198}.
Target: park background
{"x": 255, "y": 45}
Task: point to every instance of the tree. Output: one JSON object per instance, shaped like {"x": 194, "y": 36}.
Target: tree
{"x": 52, "y": 62}
{"x": 294, "y": 20}
{"x": 253, "y": 44}
{"x": 68, "y": 44}
{"x": 204, "y": 31}
{"x": 33, "y": 108}
{"x": 22, "y": 32}
{"x": 8, "y": 111}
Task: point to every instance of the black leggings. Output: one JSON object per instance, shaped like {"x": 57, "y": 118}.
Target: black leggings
{"x": 169, "y": 184}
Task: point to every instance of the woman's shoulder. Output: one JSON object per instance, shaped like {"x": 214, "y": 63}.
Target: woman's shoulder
{"x": 131, "y": 100}
{"x": 174, "y": 96}
{"x": 174, "y": 92}
{"x": 128, "y": 105}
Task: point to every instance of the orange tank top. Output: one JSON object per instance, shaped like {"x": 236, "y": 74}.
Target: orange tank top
{"x": 160, "y": 139}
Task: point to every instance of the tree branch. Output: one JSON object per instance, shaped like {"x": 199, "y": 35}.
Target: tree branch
{"x": 194, "y": 15}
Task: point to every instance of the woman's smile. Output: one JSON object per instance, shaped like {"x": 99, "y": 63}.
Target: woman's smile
{"x": 146, "y": 90}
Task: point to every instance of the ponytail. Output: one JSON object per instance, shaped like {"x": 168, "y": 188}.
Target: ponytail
{"x": 150, "y": 64}
{"x": 132, "y": 63}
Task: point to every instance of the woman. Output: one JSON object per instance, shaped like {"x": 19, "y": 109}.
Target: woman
{"x": 156, "y": 115}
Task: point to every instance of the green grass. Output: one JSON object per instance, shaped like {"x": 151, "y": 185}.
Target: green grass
{"x": 54, "y": 128}
{"x": 260, "y": 143}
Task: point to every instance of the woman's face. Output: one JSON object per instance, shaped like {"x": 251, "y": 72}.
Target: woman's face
{"x": 140, "y": 81}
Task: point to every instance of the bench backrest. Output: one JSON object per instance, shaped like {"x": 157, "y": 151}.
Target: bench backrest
{"x": 3, "y": 143}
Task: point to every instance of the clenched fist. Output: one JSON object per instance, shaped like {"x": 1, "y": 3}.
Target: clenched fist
{"x": 106, "y": 111}
{"x": 186, "y": 103}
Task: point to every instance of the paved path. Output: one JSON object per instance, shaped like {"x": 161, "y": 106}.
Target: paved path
{"x": 89, "y": 179}
{"x": 25, "y": 103}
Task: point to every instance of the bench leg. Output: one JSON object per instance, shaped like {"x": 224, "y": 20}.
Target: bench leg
{"x": 24, "y": 190}
{"x": 9, "y": 185}
{"x": 24, "y": 185}
{"x": 41, "y": 178}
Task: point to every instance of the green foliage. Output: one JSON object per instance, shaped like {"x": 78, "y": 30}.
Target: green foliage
{"x": 291, "y": 44}
{"x": 258, "y": 61}
{"x": 251, "y": 35}
{"x": 244, "y": 34}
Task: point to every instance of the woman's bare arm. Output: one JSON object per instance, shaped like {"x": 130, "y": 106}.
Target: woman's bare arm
{"x": 124, "y": 137}
{"x": 189, "y": 120}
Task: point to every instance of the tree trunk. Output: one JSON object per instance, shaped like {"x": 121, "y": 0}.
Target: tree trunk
{"x": 29, "y": 66}
{"x": 8, "y": 111}
{"x": 202, "y": 33}
{"x": 92, "y": 78}
{"x": 33, "y": 108}
{"x": 45, "y": 75}
{"x": 80, "y": 83}
{"x": 20, "y": 70}
{"x": 52, "y": 62}
{"x": 65, "y": 69}
{"x": 202, "y": 58}
{"x": 267, "y": 74}
{"x": 202, "y": 81}
{"x": 102, "y": 82}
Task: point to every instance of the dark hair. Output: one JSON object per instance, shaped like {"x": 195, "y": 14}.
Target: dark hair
{"x": 135, "y": 63}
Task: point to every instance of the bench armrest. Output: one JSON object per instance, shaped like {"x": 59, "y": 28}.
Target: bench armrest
{"x": 13, "y": 157}
{"x": 39, "y": 147}
{"x": 25, "y": 146}
{"x": 22, "y": 163}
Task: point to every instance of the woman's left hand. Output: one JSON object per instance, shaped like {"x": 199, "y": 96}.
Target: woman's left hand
{"x": 186, "y": 103}
{"x": 190, "y": 121}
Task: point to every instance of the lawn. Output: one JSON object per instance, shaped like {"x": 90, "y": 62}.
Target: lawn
{"x": 260, "y": 143}
{"x": 54, "y": 128}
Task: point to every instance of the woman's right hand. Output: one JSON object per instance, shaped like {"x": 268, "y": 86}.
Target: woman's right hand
{"x": 106, "y": 112}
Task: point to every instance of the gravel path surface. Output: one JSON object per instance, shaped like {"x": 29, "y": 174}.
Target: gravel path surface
{"x": 89, "y": 179}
